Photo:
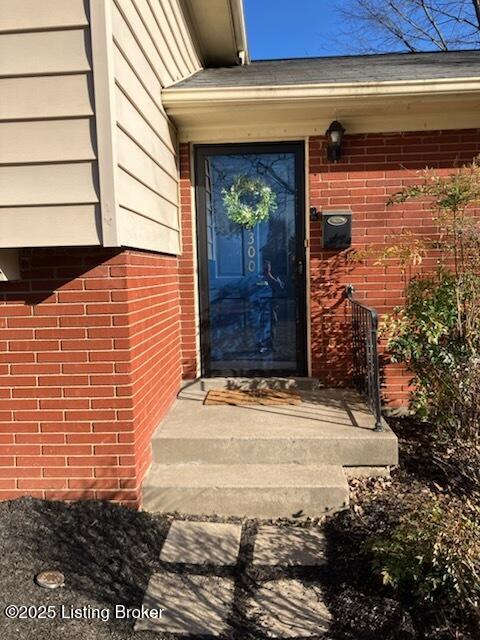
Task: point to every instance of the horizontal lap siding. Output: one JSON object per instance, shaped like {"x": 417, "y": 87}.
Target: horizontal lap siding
{"x": 59, "y": 96}
{"x": 16, "y": 225}
{"x": 144, "y": 232}
{"x": 19, "y": 15}
{"x": 33, "y": 53}
{"x": 48, "y": 169}
{"x": 46, "y": 141}
{"x": 152, "y": 49}
{"x": 47, "y": 184}
{"x": 371, "y": 169}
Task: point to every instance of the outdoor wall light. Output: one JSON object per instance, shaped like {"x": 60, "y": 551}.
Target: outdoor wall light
{"x": 334, "y": 134}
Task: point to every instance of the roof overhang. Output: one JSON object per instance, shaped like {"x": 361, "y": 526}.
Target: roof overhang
{"x": 267, "y": 112}
{"x": 218, "y": 27}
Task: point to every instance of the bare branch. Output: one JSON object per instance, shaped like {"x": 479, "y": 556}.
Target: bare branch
{"x": 432, "y": 21}
{"x": 416, "y": 25}
{"x": 460, "y": 17}
{"x": 476, "y": 8}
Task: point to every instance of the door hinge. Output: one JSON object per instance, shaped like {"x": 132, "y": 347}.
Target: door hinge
{"x": 306, "y": 243}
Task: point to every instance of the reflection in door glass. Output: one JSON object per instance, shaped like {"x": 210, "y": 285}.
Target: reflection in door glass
{"x": 252, "y": 266}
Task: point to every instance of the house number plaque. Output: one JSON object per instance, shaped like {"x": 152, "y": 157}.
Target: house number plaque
{"x": 251, "y": 252}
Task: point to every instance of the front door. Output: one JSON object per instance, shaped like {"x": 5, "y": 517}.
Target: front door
{"x": 251, "y": 247}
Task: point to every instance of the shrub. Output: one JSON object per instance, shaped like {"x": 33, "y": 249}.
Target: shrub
{"x": 436, "y": 334}
{"x": 441, "y": 347}
{"x": 433, "y": 554}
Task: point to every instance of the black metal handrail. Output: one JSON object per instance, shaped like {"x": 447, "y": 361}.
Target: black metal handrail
{"x": 366, "y": 369}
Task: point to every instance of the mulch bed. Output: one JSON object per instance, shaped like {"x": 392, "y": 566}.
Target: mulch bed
{"x": 107, "y": 554}
{"x": 364, "y": 609}
{"x": 239, "y": 397}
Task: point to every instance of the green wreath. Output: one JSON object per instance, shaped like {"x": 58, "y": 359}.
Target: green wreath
{"x": 248, "y": 215}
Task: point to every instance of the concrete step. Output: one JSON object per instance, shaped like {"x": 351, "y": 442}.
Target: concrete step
{"x": 374, "y": 451}
{"x": 256, "y": 491}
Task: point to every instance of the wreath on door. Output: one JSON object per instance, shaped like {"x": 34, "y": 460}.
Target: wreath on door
{"x": 249, "y": 201}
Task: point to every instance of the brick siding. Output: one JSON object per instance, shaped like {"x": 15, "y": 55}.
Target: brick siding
{"x": 372, "y": 168}
{"x": 89, "y": 364}
{"x": 187, "y": 269}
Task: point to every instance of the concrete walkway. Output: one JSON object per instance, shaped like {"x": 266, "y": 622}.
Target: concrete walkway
{"x": 196, "y": 601}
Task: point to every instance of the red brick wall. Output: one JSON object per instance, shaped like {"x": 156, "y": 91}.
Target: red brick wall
{"x": 89, "y": 363}
{"x": 187, "y": 269}
{"x": 372, "y": 167}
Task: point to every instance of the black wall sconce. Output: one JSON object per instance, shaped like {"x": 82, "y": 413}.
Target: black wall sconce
{"x": 334, "y": 134}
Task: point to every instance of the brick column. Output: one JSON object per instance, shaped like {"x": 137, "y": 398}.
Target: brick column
{"x": 187, "y": 272}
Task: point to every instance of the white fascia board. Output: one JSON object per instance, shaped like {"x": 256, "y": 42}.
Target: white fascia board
{"x": 179, "y": 97}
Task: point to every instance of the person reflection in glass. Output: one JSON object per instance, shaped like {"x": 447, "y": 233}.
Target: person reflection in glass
{"x": 268, "y": 311}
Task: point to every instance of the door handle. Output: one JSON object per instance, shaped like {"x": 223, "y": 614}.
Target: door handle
{"x": 300, "y": 267}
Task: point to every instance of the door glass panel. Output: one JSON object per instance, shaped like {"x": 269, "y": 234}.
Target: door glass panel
{"x": 252, "y": 265}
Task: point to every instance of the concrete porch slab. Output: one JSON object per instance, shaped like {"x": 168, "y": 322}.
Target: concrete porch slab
{"x": 331, "y": 426}
{"x": 261, "y": 461}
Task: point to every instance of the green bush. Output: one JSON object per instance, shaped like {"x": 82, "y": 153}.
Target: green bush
{"x": 433, "y": 554}
{"x": 440, "y": 345}
{"x": 436, "y": 334}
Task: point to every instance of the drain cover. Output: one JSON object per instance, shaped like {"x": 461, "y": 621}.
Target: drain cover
{"x": 50, "y": 579}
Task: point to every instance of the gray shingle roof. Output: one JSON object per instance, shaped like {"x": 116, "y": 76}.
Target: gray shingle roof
{"x": 368, "y": 68}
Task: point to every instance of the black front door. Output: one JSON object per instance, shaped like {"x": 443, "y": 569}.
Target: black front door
{"x": 251, "y": 247}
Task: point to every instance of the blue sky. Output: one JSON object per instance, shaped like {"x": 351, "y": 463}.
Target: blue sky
{"x": 291, "y": 28}
{"x": 308, "y": 28}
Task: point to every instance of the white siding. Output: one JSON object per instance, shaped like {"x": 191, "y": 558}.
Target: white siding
{"x": 56, "y": 96}
{"x": 48, "y": 169}
{"x": 23, "y": 15}
{"x": 16, "y": 226}
{"x": 53, "y": 184}
{"x": 46, "y": 141}
{"x": 152, "y": 50}
{"x": 28, "y": 54}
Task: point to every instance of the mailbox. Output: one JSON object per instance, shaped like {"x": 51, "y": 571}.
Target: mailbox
{"x": 337, "y": 229}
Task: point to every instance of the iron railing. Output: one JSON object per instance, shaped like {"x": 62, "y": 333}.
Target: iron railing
{"x": 366, "y": 369}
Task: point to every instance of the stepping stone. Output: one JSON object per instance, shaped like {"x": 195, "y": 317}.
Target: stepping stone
{"x": 202, "y": 543}
{"x": 289, "y": 609}
{"x": 193, "y": 605}
{"x": 289, "y": 546}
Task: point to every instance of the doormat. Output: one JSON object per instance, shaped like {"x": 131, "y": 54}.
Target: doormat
{"x": 252, "y": 396}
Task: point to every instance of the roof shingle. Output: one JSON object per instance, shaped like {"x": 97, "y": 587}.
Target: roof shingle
{"x": 344, "y": 69}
